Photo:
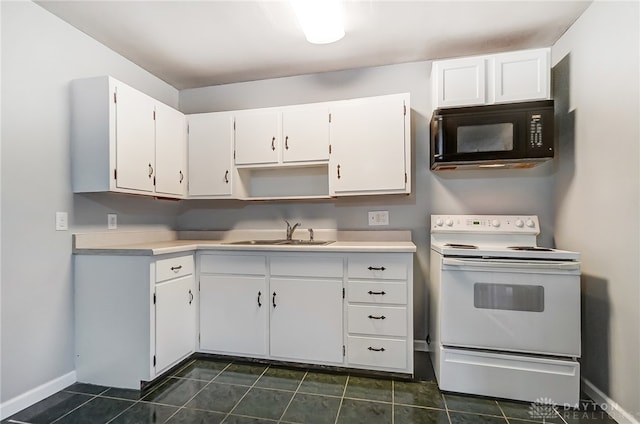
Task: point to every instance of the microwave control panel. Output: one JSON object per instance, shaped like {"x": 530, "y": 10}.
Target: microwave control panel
{"x": 535, "y": 131}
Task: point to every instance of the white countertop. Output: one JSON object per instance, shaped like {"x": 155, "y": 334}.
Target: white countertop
{"x": 161, "y": 243}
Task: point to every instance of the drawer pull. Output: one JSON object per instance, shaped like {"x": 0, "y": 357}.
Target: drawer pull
{"x": 373, "y": 268}
{"x": 190, "y": 297}
{"x": 373, "y": 349}
{"x": 273, "y": 299}
{"x": 382, "y": 293}
{"x": 176, "y": 268}
{"x": 259, "y": 303}
{"x": 375, "y": 317}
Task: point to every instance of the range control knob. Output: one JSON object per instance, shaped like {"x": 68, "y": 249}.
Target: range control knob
{"x": 530, "y": 223}
{"x": 495, "y": 223}
{"x": 439, "y": 222}
{"x": 519, "y": 223}
{"x": 449, "y": 222}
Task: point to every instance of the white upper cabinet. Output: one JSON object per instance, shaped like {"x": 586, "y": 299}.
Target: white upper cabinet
{"x": 370, "y": 146}
{"x": 286, "y": 135}
{"x": 210, "y": 154}
{"x": 305, "y": 131}
{"x": 120, "y": 137}
{"x": 171, "y": 154}
{"x": 257, "y": 137}
{"x": 459, "y": 82}
{"x": 500, "y": 78}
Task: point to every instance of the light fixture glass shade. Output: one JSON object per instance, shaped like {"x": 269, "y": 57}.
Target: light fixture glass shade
{"x": 321, "y": 20}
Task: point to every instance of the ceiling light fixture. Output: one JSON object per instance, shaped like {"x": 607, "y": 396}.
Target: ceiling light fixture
{"x": 321, "y": 20}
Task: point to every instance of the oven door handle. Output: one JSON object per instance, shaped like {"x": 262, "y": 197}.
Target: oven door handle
{"x": 516, "y": 264}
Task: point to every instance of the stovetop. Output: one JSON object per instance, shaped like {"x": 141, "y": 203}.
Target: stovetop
{"x": 492, "y": 236}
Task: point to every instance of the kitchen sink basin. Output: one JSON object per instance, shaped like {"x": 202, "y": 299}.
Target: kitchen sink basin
{"x": 280, "y": 242}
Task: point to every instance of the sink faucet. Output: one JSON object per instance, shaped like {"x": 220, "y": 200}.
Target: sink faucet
{"x": 291, "y": 229}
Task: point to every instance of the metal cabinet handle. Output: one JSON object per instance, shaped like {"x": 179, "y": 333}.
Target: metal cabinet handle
{"x": 226, "y": 177}
{"x": 176, "y": 268}
{"x": 190, "y": 297}
{"x": 373, "y": 268}
{"x": 376, "y": 350}
{"x": 181, "y": 177}
{"x": 375, "y": 317}
{"x": 150, "y": 170}
{"x": 259, "y": 303}
{"x": 338, "y": 171}
{"x": 286, "y": 142}
{"x": 273, "y": 143}
{"x": 380, "y": 292}
{"x": 273, "y": 299}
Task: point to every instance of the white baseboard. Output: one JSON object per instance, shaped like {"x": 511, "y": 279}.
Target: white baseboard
{"x": 35, "y": 395}
{"x": 611, "y": 407}
{"x": 420, "y": 346}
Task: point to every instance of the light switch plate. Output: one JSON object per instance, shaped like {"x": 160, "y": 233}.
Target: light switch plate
{"x": 379, "y": 218}
{"x": 112, "y": 221}
{"x": 62, "y": 221}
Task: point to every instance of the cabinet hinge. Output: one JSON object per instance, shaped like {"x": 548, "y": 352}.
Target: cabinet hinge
{"x": 154, "y": 181}
{"x": 234, "y": 124}
{"x": 154, "y": 115}
{"x": 405, "y": 177}
{"x": 234, "y": 155}
{"x": 187, "y": 129}
{"x": 329, "y": 148}
{"x": 115, "y": 174}
{"x": 115, "y": 97}
{"x": 329, "y": 118}
{"x": 154, "y": 298}
{"x": 344, "y": 351}
{"x": 404, "y": 110}
{"x": 343, "y": 292}
{"x": 154, "y": 360}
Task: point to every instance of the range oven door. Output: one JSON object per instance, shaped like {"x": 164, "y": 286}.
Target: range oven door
{"x": 513, "y": 305}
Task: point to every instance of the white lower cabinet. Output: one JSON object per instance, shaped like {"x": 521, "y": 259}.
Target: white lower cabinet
{"x": 234, "y": 304}
{"x": 135, "y": 317}
{"x": 380, "y": 311}
{"x": 353, "y": 310}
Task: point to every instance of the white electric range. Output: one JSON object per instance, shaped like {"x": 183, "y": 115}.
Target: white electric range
{"x": 504, "y": 312}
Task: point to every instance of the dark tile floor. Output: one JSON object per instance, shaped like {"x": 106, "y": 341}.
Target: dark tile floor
{"x": 219, "y": 391}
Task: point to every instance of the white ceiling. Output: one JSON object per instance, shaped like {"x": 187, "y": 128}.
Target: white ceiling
{"x": 200, "y": 43}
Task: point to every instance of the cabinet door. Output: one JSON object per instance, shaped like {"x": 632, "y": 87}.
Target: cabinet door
{"x": 175, "y": 321}
{"x": 459, "y": 82}
{"x": 233, "y": 314}
{"x": 210, "y": 154}
{"x": 135, "y": 139}
{"x": 305, "y": 132}
{"x": 257, "y": 137}
{"x": 171, "y": 146}
{"x": 522, "y": 76}
{"x": 369, "y": 146}
{"x": 306, "y": 319}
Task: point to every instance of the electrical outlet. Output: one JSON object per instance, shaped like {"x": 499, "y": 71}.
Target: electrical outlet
{"x": 112, "y": 221}
{"x": 62, "y": 221}
{"x": 379, "y": 218}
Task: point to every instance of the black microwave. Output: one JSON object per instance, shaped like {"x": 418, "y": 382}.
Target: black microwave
{"x": 516, "y": 135}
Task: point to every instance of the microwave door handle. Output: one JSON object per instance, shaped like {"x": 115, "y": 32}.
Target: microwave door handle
{"x": 438, "y": 137}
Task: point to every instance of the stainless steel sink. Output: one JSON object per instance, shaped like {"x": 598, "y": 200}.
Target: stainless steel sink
{"x": 280, "y": 242}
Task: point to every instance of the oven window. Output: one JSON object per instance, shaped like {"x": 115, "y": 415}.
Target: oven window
{"x": 485, "y": 138}
{"x": 508, "y": 297}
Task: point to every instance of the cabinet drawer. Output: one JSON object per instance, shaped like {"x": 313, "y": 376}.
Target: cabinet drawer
{"x": 377, "y": 266}
{"x": 377, "y": 292}
{"x": 307, "y": 266}
{"x": 233, "y": 264}
{"x": 167, "y": 269}
{"x": 377, "y": 352}
{"x": 377, "y": 320}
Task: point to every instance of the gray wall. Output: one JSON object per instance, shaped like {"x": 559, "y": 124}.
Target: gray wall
{"x": 40, "y": 56}
{"x": 487, "y": 192}
{"x": 598, "y": 188}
